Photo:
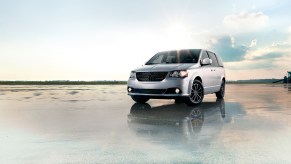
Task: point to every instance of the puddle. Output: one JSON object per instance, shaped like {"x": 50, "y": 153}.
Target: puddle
{"x": 102, "y": 124}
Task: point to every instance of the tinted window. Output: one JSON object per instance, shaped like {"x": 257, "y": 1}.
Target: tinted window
{"x": 157, "y": 59}
{"x": 204, "y": 55}
{"x": 213, "y": 58}
{"x": 180, "y": 56}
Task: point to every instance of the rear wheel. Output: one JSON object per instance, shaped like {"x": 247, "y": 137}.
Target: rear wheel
{"x": 220, "y": 93}
{"x": 140, "y": 99}
{"x": 197, "y": 93}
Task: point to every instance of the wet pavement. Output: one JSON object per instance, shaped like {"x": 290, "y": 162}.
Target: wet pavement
{"x": 101, "y": 124}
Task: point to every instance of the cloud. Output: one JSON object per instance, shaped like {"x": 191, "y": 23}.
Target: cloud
{"x": 271, "y": 55}
{"x": 270, "y": 61}
{"x": 250, "y": 65}
{"x": 276, "y": 56}
{"x": 273, "y": 51}
{"x": 239, "y": 56}
{"x": 246, "y": 21}
{"x": 289, "y": 34}
{"x": 253, "y": 43}
{"x": 227, "y": 48}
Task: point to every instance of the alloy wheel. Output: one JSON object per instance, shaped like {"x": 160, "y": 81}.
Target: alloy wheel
{"x": 196, "y": 93}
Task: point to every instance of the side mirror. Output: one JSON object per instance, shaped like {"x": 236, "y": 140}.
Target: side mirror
{"x": 206, "y": 61}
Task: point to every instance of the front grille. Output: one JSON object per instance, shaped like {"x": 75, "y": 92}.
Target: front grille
{"x": 149, "y": 91}
{"x": 151, "y": 76}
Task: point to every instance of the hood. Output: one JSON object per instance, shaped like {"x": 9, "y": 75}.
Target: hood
{"x": 165, "y": 67}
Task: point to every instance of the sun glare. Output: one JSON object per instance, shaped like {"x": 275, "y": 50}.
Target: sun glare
{"x": 174, "y": 36}
{"x": 177, "y": 36}
{"x": 177, "y": 30}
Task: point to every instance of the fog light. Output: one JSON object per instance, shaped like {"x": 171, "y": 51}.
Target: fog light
{"x": 177, "y": 90}
{"x": 129, "y": 89}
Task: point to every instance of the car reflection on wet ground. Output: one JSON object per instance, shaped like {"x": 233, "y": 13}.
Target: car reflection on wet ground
{"x": 101, "y": 124}
{"x": 184, "y": 126}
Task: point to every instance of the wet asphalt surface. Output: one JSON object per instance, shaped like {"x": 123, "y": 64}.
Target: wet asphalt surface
{"x": 101, "y": 124}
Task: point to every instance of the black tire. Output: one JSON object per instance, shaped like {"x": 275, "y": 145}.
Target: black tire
{"x": 140, "y": 99}
{"x": 221, "y": 92}
{"x": 197, "y": 93}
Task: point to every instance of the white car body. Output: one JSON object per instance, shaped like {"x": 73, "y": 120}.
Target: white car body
{"x": 157, "y": 81}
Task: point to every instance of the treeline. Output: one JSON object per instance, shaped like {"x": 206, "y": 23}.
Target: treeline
{"x": 62, "y": 82}
{"x": 254, "y": 81}
{"x": 68, "y": 82}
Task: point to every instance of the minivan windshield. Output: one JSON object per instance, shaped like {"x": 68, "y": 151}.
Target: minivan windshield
{"x": 176, "y": 56}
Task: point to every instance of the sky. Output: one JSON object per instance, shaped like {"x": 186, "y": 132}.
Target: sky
{"x": 106, "y": 39}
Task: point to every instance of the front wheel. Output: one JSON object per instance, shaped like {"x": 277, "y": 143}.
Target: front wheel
{"x": 197, "y": 93}
{"x": 220, "y": 93}
{"x": 140, "y": 99}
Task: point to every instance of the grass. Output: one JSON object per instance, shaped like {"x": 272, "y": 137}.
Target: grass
{"x": 62, "y": 82}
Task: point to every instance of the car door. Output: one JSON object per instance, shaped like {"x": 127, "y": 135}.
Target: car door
{"x": 207, "y": 74}
{"x": 215, "y": 71}
{"x": 220, "y": 70}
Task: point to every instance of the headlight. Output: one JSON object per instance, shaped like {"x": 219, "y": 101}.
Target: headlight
{"x": 132, "y": 75}
{"x": 178, "y": 74}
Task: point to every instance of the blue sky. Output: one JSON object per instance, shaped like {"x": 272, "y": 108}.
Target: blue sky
{"x": 104, "y": 40}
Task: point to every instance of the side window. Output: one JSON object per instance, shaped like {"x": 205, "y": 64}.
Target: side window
{"x": 219, "y": 61}
{"x": 204, "y": 55}
{"x": 213, "y": 58}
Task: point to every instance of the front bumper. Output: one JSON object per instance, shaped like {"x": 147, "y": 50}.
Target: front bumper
{"x": 165, "y": 88}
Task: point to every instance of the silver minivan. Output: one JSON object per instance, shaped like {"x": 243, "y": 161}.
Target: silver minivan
{"x": 184, "y": 75}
